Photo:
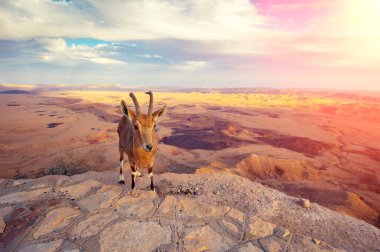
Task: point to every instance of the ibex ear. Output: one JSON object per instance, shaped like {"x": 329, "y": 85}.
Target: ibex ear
{"x": 128, "y": 113}
{"x": 160, "y": 112}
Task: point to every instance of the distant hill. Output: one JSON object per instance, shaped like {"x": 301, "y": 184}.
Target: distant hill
{"x": 15, "y": 91}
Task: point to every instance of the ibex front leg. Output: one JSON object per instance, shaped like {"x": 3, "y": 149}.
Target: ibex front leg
{"x": 151, "y": 178}
{"x": 134, "y": 175}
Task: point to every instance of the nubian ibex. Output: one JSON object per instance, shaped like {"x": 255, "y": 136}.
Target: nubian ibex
{"x": 137, "y": 138}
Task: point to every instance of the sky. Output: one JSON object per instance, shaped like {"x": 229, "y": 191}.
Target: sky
{"x": 317, "y": 44}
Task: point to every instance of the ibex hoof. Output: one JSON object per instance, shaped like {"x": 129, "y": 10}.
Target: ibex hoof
{"x": 121, "y": 182}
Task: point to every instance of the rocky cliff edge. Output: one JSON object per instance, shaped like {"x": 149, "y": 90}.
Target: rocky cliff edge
{"x": 208, "y": 212}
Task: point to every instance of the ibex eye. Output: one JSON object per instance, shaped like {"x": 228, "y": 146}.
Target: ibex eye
{"x": 136, "y": 126}
{"x": 154, "y": 126}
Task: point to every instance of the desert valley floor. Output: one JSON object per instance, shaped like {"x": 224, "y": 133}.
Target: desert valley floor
{"x": 322, "y": 146}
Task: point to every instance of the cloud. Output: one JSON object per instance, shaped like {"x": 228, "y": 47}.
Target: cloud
{"x": 58, "y": 52}
{"x": 192, "y": 65}
{"x": 129, "y": 20}
{"x": 149, "y": 56}
{"x": 277, "y": 42}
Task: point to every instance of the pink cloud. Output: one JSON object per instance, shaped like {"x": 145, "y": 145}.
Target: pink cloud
{"x": 293, "y": 15}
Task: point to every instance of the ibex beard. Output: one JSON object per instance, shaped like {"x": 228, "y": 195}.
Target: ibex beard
{"x": 137, "y": 138}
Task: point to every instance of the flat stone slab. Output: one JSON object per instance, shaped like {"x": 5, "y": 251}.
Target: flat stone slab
{"x": 305, "y": 243}
{"x": 55, "y": 220}
{"x": 230, "y": 227}
{"x": 103, "y": 198}
{"x": 273, "y": 244}
{"x": 167, "y": 206}
{"x": 133, "y": 235}
{"x": 43, "y": 247}
{"x": 281, "y": 232}
{"x": 205, "y": 239}
{"x": 18, "y": 197}
{"x": 237, "y": 215}
{"x": 81, "y": 189}
{"x": 249, "y": 247}
{"x": 138, "y": 204}
{"x": 259, "y": 228}
{"x": 91, "y": 225}
{"x": 189, "y": 207}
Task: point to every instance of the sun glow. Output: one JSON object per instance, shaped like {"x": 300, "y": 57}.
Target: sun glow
{"x": 363, "y": 17}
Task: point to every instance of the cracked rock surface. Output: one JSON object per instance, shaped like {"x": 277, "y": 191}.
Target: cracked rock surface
{"x": 91, "y": 212}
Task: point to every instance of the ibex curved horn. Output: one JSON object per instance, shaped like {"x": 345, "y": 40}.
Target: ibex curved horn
{"x": 150, "y": 110}
{"x": 137, "y": 106}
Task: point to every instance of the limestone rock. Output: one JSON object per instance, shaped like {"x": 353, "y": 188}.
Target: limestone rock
{"x": 139, "y": 204}
{"x": 167, "y": 206}
{"x": 18, "y": 197}
{"x": 206, "y": 222}
{"x": 305, "y": 203}
{"x": 281, "y": 232}
{"x": 205, "y": 239}
{"x": 237, "y": 215}
{"x": 304, "y": 243}
{"x": 91, "y": 225}
{"x": 43, "y": 247}
{"x": 81, "y": 189}
{"x": 192, "y": 208}
{"x": 103, "y": 198}
{"x": 249, "y": 247}
{"x": 230, "y": 227}
{"x": 55, "y": 220}
{"x": 132, "y": 235}
{"x": 259, "y": 228}
{"x": 272, "y": 244}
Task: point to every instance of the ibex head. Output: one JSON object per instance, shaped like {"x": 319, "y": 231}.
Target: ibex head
{"x": 143, "y": 124}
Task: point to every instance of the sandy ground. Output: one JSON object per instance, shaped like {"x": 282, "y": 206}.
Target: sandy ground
{"x": 325, "y": 147}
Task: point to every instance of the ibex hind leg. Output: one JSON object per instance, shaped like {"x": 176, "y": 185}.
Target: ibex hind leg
{"x": 121, "y": 176}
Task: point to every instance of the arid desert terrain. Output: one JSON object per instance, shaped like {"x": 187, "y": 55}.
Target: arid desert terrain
{"x": 320, "y": 145}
